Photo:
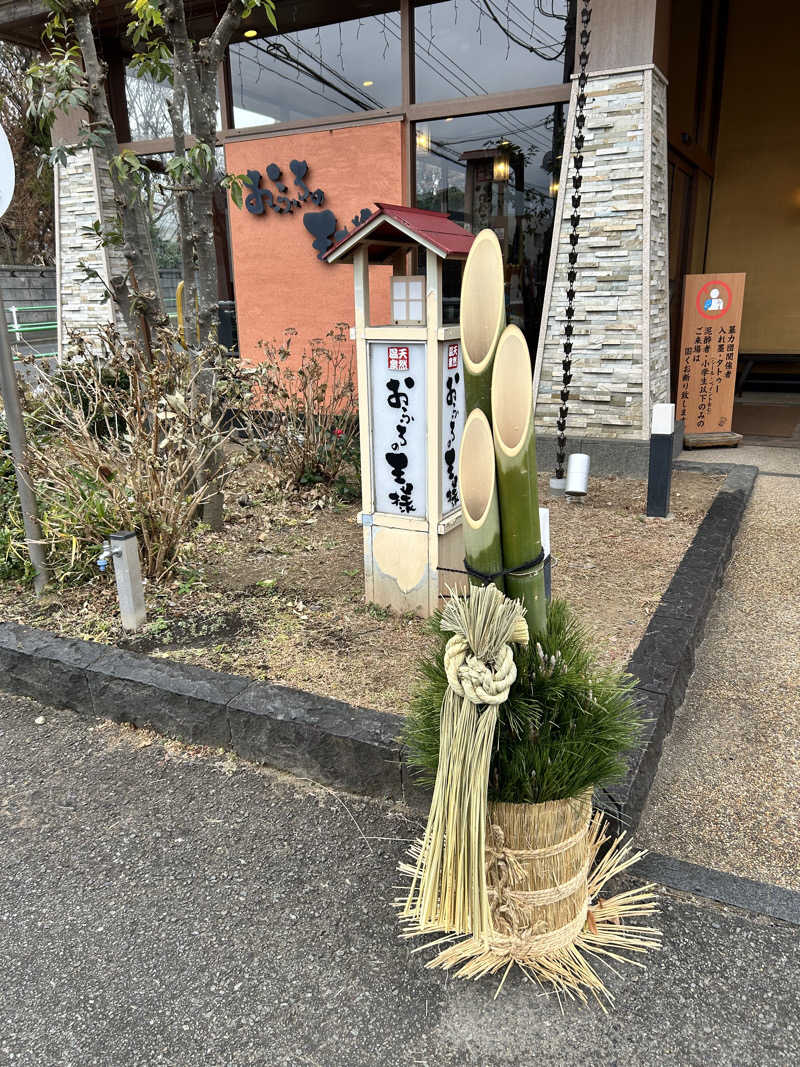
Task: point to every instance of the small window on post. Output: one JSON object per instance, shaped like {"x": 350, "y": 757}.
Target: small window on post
{"x": 408, "y": 300}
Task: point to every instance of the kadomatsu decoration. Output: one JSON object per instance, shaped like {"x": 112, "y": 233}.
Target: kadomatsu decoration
{"x": 516, "y": 723}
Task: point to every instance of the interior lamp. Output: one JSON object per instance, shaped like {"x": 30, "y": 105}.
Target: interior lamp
{"x": 501, "y": 167}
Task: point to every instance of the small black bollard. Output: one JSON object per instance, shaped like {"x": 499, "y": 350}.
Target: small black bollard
{"x": 659, "y": 479}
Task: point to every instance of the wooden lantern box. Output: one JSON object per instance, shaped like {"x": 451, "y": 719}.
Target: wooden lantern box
{"x": 411, "y": 409}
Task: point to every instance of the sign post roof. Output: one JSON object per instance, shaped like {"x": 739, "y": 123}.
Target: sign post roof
{"x": 392, "y": 227}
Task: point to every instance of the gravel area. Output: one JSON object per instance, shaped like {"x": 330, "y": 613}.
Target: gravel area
{"x": 727, "y": 792}
{"x": 170, "y": 905}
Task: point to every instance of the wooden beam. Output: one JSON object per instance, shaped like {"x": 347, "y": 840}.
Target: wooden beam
{"x": 690, "y": 150}
{"x": 225, "y": 95}
{"x": 474, "y": 105}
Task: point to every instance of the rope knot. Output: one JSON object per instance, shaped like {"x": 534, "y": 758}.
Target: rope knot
{"x": 479, "y": 682}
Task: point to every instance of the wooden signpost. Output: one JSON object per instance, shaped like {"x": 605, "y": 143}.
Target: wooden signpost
{"x": 712, "y": 322}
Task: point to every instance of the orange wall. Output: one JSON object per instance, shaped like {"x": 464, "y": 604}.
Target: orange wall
{"x": 279, "y": 282}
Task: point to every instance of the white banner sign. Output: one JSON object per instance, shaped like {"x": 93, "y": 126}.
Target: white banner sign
{"x": 453, "y": 405}
{"x": 397, "y": 381}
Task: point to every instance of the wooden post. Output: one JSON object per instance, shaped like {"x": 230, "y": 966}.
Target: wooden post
{"x": 362, "y": 319}
{"x": 659, "y": 478}
{"x": 19, "y": 448}
{"x": 433, "y": 384}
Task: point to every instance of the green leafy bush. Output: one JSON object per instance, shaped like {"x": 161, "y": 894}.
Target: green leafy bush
{"x": 567, "y": 724}
{"x": 74, "y": 524}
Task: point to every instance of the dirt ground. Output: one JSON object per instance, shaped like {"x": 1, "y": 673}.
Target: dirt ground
{"x": 279, "y": 595}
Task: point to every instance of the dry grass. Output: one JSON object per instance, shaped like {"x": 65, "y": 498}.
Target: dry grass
{"x": 278, "y": 594}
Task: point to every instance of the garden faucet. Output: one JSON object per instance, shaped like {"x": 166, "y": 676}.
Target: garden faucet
{"x": 107, "y": 554}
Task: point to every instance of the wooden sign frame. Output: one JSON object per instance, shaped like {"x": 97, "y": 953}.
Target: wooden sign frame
{"x": 710, "y": 330}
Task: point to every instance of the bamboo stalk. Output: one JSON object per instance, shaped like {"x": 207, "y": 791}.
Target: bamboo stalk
{"x": 479, "y": 506}
{"x": 515, "y": 452}
{"x": 482, "y": 317}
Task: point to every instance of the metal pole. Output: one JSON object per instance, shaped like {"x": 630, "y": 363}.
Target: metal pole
{"x": 128, "y": 573}
{"x": 16, "y": 436}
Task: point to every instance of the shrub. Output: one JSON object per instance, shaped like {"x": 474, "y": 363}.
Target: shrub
{"x": 309, "y": 415}
{"x": 118, "y": 440}
{"x": 567, "y": 724}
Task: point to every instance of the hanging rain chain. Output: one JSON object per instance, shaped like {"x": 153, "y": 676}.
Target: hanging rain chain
{"x": 575, "y": 219}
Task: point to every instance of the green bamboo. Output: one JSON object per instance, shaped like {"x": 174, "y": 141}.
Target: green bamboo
{"x": 482, "y": 317}
{"x": 515, "y": 453}
{"x": 479, "y": 507}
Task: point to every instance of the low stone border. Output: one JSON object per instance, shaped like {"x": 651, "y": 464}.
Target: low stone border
{"x": 760, "y": 898}
{"x": 330, "y": 741}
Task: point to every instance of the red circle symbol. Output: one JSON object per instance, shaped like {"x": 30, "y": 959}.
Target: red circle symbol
{"x": 723, "y": 292}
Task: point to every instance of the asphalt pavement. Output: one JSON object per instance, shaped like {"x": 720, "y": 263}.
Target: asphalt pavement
{"x": 164, "y": 905}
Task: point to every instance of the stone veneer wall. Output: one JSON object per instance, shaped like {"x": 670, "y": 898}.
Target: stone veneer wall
{"x": 80, "y": 190}
{"x": 620, "y": 359}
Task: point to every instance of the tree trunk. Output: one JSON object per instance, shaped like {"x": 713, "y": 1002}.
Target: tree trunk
{"x": 198, "y": 73}
{"x": 182, "y": 209}
{"x": 134, "y": 219}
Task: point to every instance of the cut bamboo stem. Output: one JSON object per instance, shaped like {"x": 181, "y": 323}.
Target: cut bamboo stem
{"x": 517, "y": 489}
{"x": 479, "y": 505}
{"x": 482, "y": 317}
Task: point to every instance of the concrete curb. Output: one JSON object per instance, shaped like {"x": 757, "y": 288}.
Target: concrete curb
{"x": 760, "y": 898}
{"x": 330, "y": 741}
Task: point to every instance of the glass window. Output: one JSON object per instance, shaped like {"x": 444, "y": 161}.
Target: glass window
{"x": 164, "y": 230}
{"x": 501, "y": 171}
{"x": 148, "y": 114}
{"x": 473, "y": 47}
{"x": 348, "y": 66}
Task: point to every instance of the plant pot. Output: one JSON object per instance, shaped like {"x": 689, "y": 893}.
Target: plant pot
{"x": 537, "y": 863}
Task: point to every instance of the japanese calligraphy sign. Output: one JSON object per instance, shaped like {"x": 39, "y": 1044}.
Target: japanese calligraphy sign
{"x": 453, "y": 407}
{"x": 282, "y": 200}
{"x": 712, "y": 321}
{"x": 397, "y": 388}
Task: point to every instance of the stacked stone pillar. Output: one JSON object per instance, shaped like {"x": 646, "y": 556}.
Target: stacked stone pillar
{"x": 620, "y": 359}
{"x": 83, "y": 195}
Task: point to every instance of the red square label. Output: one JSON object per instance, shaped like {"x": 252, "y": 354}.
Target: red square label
{"x": 452, "y": 357}
{"x": 398, "y": 359}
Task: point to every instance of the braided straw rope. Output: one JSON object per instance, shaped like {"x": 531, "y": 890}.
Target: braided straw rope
{"x": 469, "y": 677}
{"x": 540, "y": 897}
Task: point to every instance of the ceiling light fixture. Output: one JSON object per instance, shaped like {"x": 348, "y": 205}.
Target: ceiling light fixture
{"x": 367, "y": 84}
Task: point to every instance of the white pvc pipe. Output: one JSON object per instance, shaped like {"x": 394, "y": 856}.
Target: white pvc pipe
{"x": 577, "y": 474}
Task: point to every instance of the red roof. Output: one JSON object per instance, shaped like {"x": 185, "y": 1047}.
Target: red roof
{"x": 435, "y": 228}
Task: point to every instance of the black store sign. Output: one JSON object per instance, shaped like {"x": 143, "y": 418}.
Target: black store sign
{"x": 322, "y": 225}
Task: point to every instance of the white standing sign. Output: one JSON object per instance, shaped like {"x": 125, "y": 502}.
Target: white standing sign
{"x": 453, "y": 405}
{"x": 397, "y": 385}
{"x": 7, "y": 175}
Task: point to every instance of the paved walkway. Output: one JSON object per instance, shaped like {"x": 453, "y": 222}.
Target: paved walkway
{"x": 160, "y": 906}
{"x": 727, "y": 793}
